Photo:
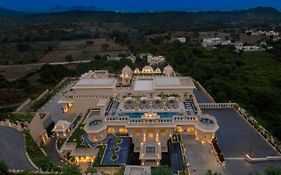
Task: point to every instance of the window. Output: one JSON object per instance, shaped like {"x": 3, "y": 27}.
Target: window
{"x": 150, "y": 149}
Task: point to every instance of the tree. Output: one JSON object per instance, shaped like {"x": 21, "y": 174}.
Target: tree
{"x": 91, "y": 170}
{"x": 104, "y": 47}
{"x": 68, "y": 58}
{"x": 23, "y": 47}
{"x": 71, "y": 170}
{"x": 162, "y": 170}
{"x": 210, "y": 172}
{"x": 26, "y": 172}
{"x": 3, "y": 168}
{"x": 273, "y": 171}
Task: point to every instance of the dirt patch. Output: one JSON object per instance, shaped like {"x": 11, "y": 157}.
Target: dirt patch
{"x": 17, "y": 71}
{"x": 84, "y": 49}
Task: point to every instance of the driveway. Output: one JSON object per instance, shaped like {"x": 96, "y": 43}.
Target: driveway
{"x": 200, "y": 156}
{"x": 12, "y": 150}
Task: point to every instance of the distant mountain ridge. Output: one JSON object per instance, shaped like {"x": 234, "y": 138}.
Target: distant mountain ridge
{"x": 63, "y": 9}
{"x": 8, "y": 12}
{"x": 60, "y": 8}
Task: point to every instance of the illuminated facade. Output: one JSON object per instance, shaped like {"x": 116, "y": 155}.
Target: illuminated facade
{"x": 148, "y": 108}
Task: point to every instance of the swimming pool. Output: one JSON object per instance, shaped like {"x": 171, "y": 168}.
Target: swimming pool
{"x": 206, "y": 121}
{"x": 139, "y": 114}
{"x": 95, "y": 122}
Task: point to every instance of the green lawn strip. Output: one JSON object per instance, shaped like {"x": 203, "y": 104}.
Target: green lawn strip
{"x": 13, "y": 117}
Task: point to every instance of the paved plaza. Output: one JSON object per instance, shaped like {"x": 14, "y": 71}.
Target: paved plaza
{"x": 55, "y": 110}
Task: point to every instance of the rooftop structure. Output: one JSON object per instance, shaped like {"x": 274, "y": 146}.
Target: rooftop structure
{"x": 61, "y": 128}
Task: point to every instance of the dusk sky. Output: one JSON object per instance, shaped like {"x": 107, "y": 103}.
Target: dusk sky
{"x": 137, "y": 5}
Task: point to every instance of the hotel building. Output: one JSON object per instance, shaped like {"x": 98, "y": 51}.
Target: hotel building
{"x": 148, "y": 105}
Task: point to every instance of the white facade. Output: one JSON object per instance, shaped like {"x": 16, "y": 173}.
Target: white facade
{"x": 155, "y": 59}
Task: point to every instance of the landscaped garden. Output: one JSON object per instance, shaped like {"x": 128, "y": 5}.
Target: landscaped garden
{"x": 13, "y": 117}
{"x": 99, "y": 157}
{"x": 77, "y": 137}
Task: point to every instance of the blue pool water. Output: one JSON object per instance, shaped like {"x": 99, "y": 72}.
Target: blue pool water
{"x": 139, "y": 114}
{"x": 95, "y": 122}
{"x": 123, "y": 154}
{"x": 207, "y": 121}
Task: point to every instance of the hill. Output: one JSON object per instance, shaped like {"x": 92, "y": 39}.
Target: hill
{"x": 60, "y": 8}
{"x": 8, "y": 12}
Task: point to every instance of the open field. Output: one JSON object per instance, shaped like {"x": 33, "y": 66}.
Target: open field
{"x": 80, "y": 50}
{"x": 14, "y": 72}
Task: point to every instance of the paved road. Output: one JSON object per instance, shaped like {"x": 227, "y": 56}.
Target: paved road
{"x": 12, "y": 149}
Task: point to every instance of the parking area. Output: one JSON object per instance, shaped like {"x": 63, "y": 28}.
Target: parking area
{"x": 12, "y": 150}
{"x": 200, "y": 156}
{"x": 237, "y": 138}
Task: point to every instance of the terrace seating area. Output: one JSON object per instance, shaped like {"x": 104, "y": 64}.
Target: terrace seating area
{"x": 190, "y": 110}
{"x": 145, "y": 103}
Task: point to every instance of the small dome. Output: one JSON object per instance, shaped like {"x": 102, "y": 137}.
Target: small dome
{"x": 158, "y": 70}
{"x": 137, "y": 71}
{"x": 168, "y": 70}
{"x": 127, "y": 71}
{"x": 147, "y": 69}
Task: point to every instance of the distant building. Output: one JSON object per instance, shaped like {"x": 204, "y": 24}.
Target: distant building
{"x": 254, "y": 48}
{"x": 211, "y": 42}
{"x": 143, "y": 56}
{"x": 182, "y": 39}
{"x": 155, "y": 59}
{"x": 130, "y": 57}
